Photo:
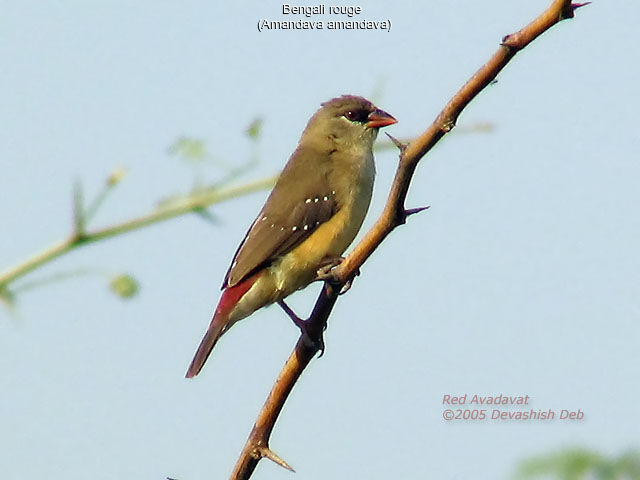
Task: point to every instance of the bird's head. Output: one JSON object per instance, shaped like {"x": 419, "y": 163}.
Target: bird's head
{"x": 348, "y": 122}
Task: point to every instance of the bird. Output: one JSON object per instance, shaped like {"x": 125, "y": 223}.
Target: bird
{"x": 311, "y": 216}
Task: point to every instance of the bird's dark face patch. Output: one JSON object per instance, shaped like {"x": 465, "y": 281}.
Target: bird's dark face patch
{"x": 359, "y": 115}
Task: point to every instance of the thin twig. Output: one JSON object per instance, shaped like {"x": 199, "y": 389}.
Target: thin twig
{"x": 393, "y": 215}
{"x": 79, "y": 237}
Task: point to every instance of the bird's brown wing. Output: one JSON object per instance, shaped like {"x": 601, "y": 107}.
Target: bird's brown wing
{"x": 298, "y": 205}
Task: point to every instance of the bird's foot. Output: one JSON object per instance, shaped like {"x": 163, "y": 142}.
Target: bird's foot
{"x": 325, "y": 273}
{"x": 325, "y": 268}
{"x": 313, "y": 338}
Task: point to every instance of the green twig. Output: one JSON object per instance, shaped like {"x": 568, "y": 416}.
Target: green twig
{"x": 57, "y": 277}
{"x": 192, "y": 203}
{"x": 97, "y": 203}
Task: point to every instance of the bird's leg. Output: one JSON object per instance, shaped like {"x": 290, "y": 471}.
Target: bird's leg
{"x": 315, "y": 340}
{"x": 299, "y": 322}
{"x": 325, "y": 272}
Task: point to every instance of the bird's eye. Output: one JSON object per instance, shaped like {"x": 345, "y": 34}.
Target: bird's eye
{"x": 356, "y": 115}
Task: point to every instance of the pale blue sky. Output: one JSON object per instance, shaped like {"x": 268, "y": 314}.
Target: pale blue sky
{"x": 522, "y": 278}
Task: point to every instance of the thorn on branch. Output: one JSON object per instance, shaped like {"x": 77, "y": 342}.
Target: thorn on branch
{"x": 511, "y": 42}
{"x": 413, "y": 211}
{"x": 266, "y": 452}
{"x": 567, "y": 11}
{"x": 402, "y": 214}
{"x": 448, "y": 125}
{"x": 401, "y": 146}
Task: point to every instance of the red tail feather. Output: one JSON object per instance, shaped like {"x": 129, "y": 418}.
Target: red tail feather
{"x": 219, "y": 323}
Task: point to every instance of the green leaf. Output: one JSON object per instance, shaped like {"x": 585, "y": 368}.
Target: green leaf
{"x": 125, "y": 286}
{"x": 7, "y": 297}
{"x": 579, "y": 464}
{"x": 254, "y": 129}
{"x": 190, "y": 149}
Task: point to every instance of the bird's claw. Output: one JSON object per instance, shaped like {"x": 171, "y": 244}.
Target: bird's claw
{"x": 325, "y": 273}
{"x": 346, "y": 287}
{"x": 325, "y": 270}
{"x": 316, "y": 342}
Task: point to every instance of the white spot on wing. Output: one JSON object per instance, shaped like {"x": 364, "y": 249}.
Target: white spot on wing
{"x": 308, "y": 200}
{"x": 294, "y": 228}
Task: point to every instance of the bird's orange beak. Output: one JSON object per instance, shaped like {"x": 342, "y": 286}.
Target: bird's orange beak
{"x": 379, "y": 118}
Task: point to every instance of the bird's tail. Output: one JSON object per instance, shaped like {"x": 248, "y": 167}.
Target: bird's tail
{"x": 220, "y": 323}
{"x": 214, "y": 332}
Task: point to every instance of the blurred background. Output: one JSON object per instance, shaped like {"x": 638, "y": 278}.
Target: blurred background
{"x": 522, "y": 278}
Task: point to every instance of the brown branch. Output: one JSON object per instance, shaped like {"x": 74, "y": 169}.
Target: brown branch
{"x": 393, "y": 215}
{"x": 302, "y": 354}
